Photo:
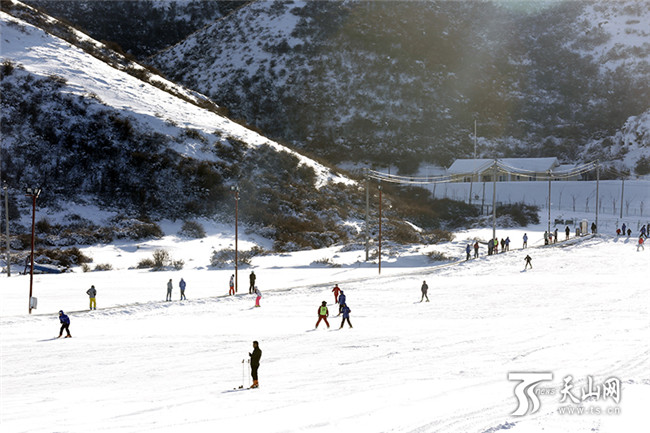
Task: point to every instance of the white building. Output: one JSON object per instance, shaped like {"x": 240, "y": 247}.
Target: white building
{"x": 508, "y": 169}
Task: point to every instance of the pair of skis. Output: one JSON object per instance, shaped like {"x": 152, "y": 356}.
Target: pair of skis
{"x": 244, "y": 376}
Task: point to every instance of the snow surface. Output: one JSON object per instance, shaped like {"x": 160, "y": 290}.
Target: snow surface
{"x": 141, "y": 364}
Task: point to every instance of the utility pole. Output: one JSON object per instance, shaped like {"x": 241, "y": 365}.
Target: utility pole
{"x": 494, "y": 202}
{"x": 367, "y": 212}
{"x": 6, "y": 188}
{"x": 597, "y": 192}
{"x": 622, "y": 191}
{"x": 549, "y": 203}
{"x": 474, "y": 138}
{"x": 33, "y": 193}
{"x": 379, "y": 255}
{"x": 235, "y": 190}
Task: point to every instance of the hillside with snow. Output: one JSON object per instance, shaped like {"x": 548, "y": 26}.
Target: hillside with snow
{"x": 89, "y": 132}
{"x": 405, "y": 81}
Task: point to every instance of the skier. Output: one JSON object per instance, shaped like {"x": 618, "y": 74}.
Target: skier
{"x": 346, "y": 316}
{"x": 182, "y": 285}
{"x": 259, "y": 296}
{"x": 323, "y": 314}
{"x": 503, "y": 245}
{"x": 567, "y": 231}
{"x": 65, "y": 324}
{"x": 170, "y": 286}
{"x": 618, "y": 232}
{"x": 593, "y": 228}
{"x": 640, "y": 244}
{"x": 92, "y": 293}
{"x": 507, "y": 243}
{"x": 623, "y": 228}
{"x": 251, "y": 287}
{"x": 629, "y": 232}
{"x": 341, "y": 301}
{"x": 232, "y": 285}
{"x": 528, "y": 262}
{"x": 255, "y": 363}
{"x": 496, "y": 246}
{"x": 555, "y": 236}
{"x": 467, "y": 250}
{"x": 643, "y": 231}
{"x": 425, "y": 289}
{"x": 336, "y": 291}
{"x": 476, "y": 250}
{"x": 545, "y": 237}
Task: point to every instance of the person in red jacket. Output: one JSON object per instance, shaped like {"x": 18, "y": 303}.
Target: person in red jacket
{"x": 640, "y": 244}
{"x": 323, "y": 313}
{"x": 336, "y": 291}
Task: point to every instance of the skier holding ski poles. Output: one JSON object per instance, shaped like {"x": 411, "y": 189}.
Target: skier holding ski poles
{"x": 255, "y": 363}
{"x": 323, "y": 313}
{"x": 65, "y": 324}
{"x": 336, "y": 291}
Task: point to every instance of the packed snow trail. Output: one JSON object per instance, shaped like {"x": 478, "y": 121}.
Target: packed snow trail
{"x": 406, "y": 366}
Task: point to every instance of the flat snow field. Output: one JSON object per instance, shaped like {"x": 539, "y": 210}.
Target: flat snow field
{"x": 140, "y": 364}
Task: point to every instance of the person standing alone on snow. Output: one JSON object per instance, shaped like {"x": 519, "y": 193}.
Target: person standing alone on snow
{"x": 65, "y": 324}
{"x": 93, "y": 301}
{"x": 182, "y": 285}
{"x": 346, "y": 315}
{"x": 323, "y": 314}
{"x": 528, "y": 262}
{"x": 566, "y": 232}
{"x": 425, "y": 289}
{"x": 255, "y": 363}
{"x": 232, "y": 285}
{"x": 259, "y": 296}
{"x": 640, "y": 244}
{"x": 251, "y": 287}
{"x": 336, "y": 291}
{"x": 525, "y": 240}
{"x": 467, "y": 251}
{"x": 170, "y": 286}
{"x": 476, "y": 250}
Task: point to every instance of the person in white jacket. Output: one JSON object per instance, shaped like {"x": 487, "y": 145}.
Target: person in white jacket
{"x": 259, "y": 296}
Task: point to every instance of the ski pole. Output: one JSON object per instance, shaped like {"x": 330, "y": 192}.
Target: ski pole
{"x": 243, "y": 372}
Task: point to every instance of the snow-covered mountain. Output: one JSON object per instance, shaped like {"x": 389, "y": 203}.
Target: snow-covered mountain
{"x": 403, "y": 82}
{"x": 87, "y": 131}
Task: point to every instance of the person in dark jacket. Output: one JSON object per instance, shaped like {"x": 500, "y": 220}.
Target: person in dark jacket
{"x": 341, "y": 302}
{"x": 593, "y": 228}
{"x": 425, "y": 289}
{"x": 251, "y": 287}
{"x": 255, "y": 363}
{"x": 170, "y": 287}
{"x": 528, "y": 262}
{"x": 467, "y": 251}
{"x": 92, "y": 293}
{"x": 65, "y": 324}
{"x": 323, "y": 313}
{"x": 182, "y": 286}
{"x": 476, "y": 250}
{"x": 346, "y": 315}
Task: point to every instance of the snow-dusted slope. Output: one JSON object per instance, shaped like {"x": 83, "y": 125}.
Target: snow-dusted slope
{"x": 44, "y": 55}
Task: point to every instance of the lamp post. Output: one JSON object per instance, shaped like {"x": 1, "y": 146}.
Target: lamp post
{"x": 33, "y": 193}
{"x": 5, "y": 188}
{"x": 235, "y": 190}
{"x": 379, "y": 253}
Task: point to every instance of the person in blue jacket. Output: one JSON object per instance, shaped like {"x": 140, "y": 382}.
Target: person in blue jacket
{"x": 346, "y": 315}
{"x": 182, "y": 286}
{"x": 467, "y": 251}
{"x": 341, "y": 302}
{"x": 65, "y": 324}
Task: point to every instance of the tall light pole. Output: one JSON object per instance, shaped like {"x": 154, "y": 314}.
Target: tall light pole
{"x": 33, "y": 193}
{"x": 367, "y": 211}
{"x": 235, "y": 190}
{"x": 379, "y": 255}
{"x": 5, "y": 188}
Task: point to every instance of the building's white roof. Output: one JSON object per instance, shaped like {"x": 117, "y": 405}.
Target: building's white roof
{"x": 535, "y": 165}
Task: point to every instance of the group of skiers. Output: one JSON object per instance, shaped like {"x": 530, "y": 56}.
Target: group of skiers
{"x": 344, "y": 310}
{"x": 643, "y": 234}
{"x": 252, "y": 288}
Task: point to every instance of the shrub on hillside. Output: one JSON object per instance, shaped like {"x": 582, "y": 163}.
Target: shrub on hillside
{"x": 192, "y": 229}
{"x": 63, "y": 257}
{"x": 522, "y": 214}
